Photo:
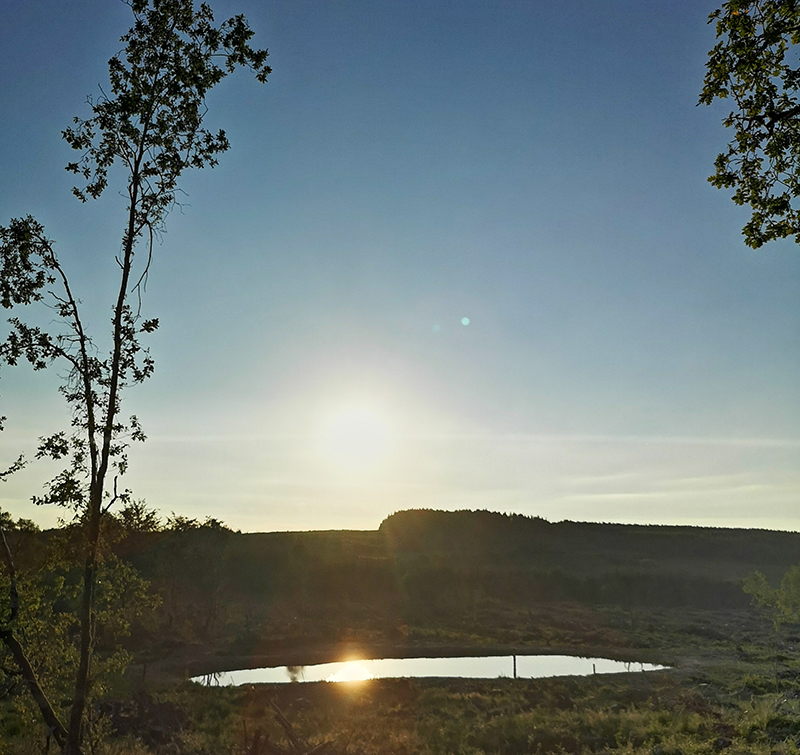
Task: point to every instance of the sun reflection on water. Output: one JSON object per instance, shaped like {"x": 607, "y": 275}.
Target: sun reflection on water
{"x": 351, "y": 671}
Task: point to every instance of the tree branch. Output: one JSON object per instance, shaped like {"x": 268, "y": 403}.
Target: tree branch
{"x": 18, "y": 653}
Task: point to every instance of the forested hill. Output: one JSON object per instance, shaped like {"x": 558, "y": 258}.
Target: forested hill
{"x": 434, "y": 563}
{"x": 237, "y": 591}
{"x": 585, "y": 548}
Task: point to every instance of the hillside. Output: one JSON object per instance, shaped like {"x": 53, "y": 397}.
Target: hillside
{"x": 457, "y": 577}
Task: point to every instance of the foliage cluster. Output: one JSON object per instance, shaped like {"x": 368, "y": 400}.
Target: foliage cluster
{"x": 755, "y": 64}
{"x": 49, "y": 582}
{"x": 782, "y": 603}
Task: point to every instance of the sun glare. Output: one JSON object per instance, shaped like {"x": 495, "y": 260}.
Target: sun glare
{"x": 357, "y": 439}
{"x": 351, "y": 671}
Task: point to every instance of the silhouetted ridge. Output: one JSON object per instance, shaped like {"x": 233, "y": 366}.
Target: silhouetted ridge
{"x": 528, "y": 559}
{"x": 302, "y": 587}
{"x": 518, "y": 538}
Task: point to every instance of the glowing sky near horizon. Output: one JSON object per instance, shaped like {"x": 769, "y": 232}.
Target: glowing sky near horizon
{"x": 460, "y": 255}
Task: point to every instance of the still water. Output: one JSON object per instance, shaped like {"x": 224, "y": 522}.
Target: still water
{"x": 480, "y": 667}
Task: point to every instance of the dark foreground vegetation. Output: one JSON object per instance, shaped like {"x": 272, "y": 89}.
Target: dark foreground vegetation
{"x": 187, "y": 597}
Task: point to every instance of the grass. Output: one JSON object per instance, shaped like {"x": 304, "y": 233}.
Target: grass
{"x": 735, "y": 690}
{"x": 657, "y": 714}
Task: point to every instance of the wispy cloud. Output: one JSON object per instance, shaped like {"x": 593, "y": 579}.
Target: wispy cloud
{"x": 674, "y": 440}
{"x": 689, "y": 493}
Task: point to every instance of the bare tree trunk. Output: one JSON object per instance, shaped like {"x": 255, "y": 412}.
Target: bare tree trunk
{"x": 87, "y": 631}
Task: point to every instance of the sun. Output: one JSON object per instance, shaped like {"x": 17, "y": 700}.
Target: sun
{"x": 357, "y": 438}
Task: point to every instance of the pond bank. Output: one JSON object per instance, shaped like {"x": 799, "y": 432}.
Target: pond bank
{"x": 189, "y": 661}
{"x": 360, "y": 669}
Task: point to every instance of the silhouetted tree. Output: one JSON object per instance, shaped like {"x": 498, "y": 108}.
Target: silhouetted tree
{"x": 755, "y": 65}
{"x": 150, "y": 124}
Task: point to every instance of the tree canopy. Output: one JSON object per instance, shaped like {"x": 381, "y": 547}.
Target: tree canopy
{"x": 756, "y": 65}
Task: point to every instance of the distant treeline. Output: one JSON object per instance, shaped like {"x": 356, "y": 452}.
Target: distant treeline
{"x": 585, "y": 547}
{"x": 518, "y": 558}
{"x": 433, "y": 564}
{"x": 237, "y": 588}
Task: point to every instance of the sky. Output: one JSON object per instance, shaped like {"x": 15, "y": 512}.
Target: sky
{"x": 460, "y": 255}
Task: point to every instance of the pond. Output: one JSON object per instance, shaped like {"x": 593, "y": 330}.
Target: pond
{"x": 478, "y": 667}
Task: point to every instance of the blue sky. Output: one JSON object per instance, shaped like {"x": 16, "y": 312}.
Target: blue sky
{"x": 538, "y": 168}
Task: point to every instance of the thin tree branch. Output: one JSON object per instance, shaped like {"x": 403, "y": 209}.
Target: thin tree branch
{"x": 18, "y": 652}
{"x": 13, "y": 594}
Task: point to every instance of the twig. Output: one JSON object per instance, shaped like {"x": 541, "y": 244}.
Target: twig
{"x": 13, "y": 595}
{"x": 287, "y": 728}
